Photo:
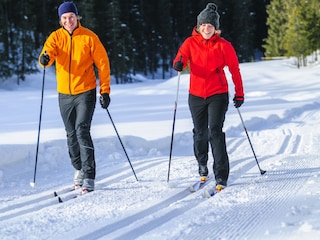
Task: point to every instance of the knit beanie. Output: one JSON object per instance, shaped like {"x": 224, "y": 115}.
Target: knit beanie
{"x": 209, "y": 15}
{"x": 67, "y": 7}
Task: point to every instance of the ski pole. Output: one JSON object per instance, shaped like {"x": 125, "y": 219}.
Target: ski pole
{"x": 122, "y": 144}
{"x": 245, "y": 129}
{"x": 33, "y": 183}
{"x": 174, "y": 121}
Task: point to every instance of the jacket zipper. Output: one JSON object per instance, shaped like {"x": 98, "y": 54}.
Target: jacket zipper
{"x": 218, "y": 72}
{"x": 70, "y": 60}
{"x": 205, "y": 84}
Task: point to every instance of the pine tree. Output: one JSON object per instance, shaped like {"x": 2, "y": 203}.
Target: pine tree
{"x": 87, "y": 12}
{"x": 295, "y": 41}
{"x": 139, "y": 35}
{"x": 314, "y": 26}
{"x": 243, "y": 29}
{"x": 260, "y": 28}
{"x": 300, "y": 36}
{"x": 133, "y": 17}
{"x": 25, "y": 54}
{"x": 117, "y": 37}
{"x": 277, "y": 23}
{"x": 18, "y": 52}
{"x": 164, "y": 26}
{"x": 5, "y": 66}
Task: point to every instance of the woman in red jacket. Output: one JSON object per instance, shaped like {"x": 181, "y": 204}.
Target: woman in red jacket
{"x": 207, "y": 54}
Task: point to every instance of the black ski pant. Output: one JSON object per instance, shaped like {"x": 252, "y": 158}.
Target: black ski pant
{"x": 208, "y": 117}
{"x": 76, "y": 112}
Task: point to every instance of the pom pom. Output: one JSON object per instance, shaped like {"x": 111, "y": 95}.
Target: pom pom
{"x": 212, "y": 6}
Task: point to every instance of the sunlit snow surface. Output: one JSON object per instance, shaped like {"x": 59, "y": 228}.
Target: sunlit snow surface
{"x": 281, "y": 113}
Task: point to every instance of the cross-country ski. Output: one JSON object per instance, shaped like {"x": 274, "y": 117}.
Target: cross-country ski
{"x": 203, "y": 181}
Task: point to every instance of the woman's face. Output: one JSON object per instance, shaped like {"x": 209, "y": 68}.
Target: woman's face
{"x": 69, "y": 21}
{"x": 207, "y": 30}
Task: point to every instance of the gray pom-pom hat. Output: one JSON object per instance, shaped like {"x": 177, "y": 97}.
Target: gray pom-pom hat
{"x": 209, "y": 15}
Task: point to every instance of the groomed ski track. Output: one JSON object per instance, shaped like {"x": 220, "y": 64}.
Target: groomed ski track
{"x": 154, "y": 206}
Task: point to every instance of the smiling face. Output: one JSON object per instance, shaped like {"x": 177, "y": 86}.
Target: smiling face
{"x": 207, "y": 30}
{"x": 69, "y": 21}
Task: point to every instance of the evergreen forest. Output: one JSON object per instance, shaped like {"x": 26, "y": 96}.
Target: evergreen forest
{"x": 143, "y": 36}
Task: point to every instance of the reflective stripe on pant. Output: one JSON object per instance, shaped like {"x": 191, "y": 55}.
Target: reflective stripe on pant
{"x": 208, "y": 117}
{"x": 76, "y": 112}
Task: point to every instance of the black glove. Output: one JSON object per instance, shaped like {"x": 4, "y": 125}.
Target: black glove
{"x": 44, "y": 59}
{"x": 105, "y": 100}
{"x": 178, "y": 66}
{"x": 238, "y": 101}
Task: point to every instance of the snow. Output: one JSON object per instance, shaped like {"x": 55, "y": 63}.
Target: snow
{"x": 281, "y": 114}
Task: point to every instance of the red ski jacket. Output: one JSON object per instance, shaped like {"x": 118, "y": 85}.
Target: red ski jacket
{"x": 207, "y": 59}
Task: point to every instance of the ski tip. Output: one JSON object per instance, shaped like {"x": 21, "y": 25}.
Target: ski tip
{"x": 55, "y": 194}
{"x": 207, "y": 194}
{"x": 60, "y": 200}
{"x": 191, "y": 189}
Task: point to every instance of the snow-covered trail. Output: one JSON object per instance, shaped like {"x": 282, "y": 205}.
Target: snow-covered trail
{"x": 281, "y": 114}
{"x": 245, "y": 207}
{"x": 154, "y": 209}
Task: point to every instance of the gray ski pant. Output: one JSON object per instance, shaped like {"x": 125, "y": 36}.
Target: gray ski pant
{"x": 77, "y": 112}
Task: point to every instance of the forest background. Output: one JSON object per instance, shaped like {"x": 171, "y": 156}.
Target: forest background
{"x": 143, "y": 36}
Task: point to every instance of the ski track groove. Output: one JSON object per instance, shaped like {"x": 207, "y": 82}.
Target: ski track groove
{"x": 16, "y": 208}
{"x": 161, "y": 212}
{"x": 247, "y": 223}
{"x": 109, "y": 178}
{"x": 150, "y": 225}
{"x": 244, "y": 164}
{"x": 284, "y": 145}
{"x": 233, "y": 144}
{"x": 296, "y": 144}
{"x": 305, "y": 117}
{"x": 25, "y": 207}
{"x": 158, "y": 211}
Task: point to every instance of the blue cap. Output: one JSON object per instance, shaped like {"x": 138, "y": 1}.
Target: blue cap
{"x": 67, "y": 7}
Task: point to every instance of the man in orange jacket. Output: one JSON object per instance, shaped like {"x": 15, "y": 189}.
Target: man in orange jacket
{"x": 75, "y": 51}
{"x": 207, "y": 54}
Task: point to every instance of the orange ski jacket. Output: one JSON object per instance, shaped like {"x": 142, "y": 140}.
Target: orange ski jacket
{"x": 207, "y": 59}
{"x": 75, "y": 56}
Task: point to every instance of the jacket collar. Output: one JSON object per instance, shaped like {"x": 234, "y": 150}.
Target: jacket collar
{"x": 75, "y": 31}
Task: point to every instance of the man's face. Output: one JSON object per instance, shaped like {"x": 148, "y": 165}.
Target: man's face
{"x": 69, "y": 21}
